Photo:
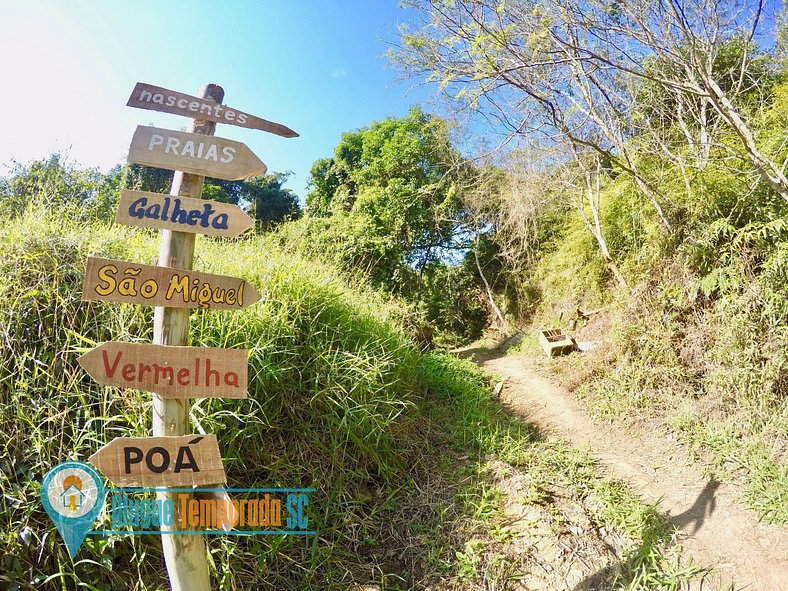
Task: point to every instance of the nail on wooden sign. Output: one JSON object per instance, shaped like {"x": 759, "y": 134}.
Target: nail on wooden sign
{"x": 148, "y": 285}
{"x": 170, "y": 371}
{"x": 186, "y": 460}
{"x": 204, "y": 155}
{"x": 182, "y": 214}
{"x": 156, "y": 98}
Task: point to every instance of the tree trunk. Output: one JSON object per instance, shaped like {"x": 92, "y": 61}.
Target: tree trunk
{"x": 487, "y": 287}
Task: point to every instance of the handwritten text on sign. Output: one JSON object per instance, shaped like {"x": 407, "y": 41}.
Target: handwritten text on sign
{"x": 161, "y": 461}
{"x": 130, "y": 283}
{"x": 184, "y": 214}
{"x": 194, "y": 153}
{"x": 173, "y": 372}
{"x": 155, "y": 98}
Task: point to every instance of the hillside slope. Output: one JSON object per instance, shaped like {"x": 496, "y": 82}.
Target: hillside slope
{"x": 405, "y": 449}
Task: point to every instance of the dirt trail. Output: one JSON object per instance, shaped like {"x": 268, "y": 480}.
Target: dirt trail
{"x": 718, "y": 531}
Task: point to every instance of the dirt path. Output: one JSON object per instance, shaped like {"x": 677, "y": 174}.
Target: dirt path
{"x": 718, "y": 531}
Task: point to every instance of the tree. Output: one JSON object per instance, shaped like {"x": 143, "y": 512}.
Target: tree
{"x": 272, "y": 204}
{"x": 504, "y": 60}
{"x": 58, "y": 183}
{"x": 323, "y": 183}
{"x": 147, "y": 178}
{"x": 566, "y": 72}
{"x": 394, "y": 187}
{"x": 390, "y": 203}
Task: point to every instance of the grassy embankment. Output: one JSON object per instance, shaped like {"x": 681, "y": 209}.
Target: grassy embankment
{"x": 696, "y": 344}
{"x": 399, "y": 444}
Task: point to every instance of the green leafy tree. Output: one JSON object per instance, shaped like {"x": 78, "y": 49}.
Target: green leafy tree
{"x": 147, "y": 178}
{"x": 58, "y": 183}
{"x": 394, "y": 190}
{"x": 272, "y": 203}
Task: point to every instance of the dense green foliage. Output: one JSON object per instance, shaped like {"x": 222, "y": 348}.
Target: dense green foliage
{"x": 271, "y": 203}
{"x": 389, "y": 204}
{"x": 332, "y": 394}
{"x": 393, "y": 190}
{"x": 340, "y": 399}
{"x": 658, "y": 193}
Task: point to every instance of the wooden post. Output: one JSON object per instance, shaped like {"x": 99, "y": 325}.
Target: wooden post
{"x": 185, "y": 555}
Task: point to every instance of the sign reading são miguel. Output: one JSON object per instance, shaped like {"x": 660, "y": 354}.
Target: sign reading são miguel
{"x": 72, "y": 492}
{"x": 149, "y": 285}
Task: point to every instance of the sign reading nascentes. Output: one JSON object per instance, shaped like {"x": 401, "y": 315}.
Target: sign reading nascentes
{"x": 130, "y": 283}
{"x": 194, "y": 153}
{"x": 183, "y": 214}
{"x": 187, "y": 460}
{"x": 172, "y": 372}
{"x": 156, "y": 98}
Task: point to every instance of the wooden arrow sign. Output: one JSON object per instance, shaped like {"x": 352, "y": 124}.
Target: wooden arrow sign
{"x": 183, "y": 214}
{"x": 130, "y": 283}
{"x": 156, "y": 98}
{"x": 172, "y": 372}
{"x": 187, "y": 460}
{"x": 194, "y": 153}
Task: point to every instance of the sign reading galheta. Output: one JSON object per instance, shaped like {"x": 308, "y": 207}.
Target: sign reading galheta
{"x": 153, "y": 210}
{"x": 170, "y": 370}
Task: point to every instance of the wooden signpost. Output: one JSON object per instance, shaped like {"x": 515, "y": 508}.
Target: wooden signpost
{"x": 190, "y": 460}
{"x": 154, "y": 210}
{"x": 169, "y": 369}
{"x": 149, "y": 285}
{"x": 172, "y": 372}
{"x": 194, "y": 153}
{"x": 156, "y": 98}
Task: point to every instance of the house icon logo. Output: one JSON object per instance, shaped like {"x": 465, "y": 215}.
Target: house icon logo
{"x": 73, "y": 494}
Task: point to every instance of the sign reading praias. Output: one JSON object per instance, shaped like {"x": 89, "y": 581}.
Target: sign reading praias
{"x": 194, "y": 153}
{"x": 172, "y": 372}
{"x": 156, "y": 98}
{"x": 129, "y": 283}
{"x": 183, "y": 214}
{"x": 186, "y": 460}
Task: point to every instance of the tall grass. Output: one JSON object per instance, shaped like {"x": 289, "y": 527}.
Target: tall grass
{"x": 331, "y": 405}
{"x": 339, "y": 399}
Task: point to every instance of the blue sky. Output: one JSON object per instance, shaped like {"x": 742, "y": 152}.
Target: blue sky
{"x": 317, "y": 67}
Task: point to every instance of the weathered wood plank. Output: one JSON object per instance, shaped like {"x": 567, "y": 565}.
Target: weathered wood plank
{"x": 156, "y": 98}
{"x": 148, "y": 285}
{"x": 194, "y": 153}
{"x": 187, "y": 460}
{"x": 172, "y": 372}
{"x": 182, "y": 214}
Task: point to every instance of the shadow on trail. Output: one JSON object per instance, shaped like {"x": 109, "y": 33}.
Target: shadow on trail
{"x": 477, "y": 354}
{"x": 659, "y": 528}
{"x": 657, "y": 533}
{"x": 703, "y": 507}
